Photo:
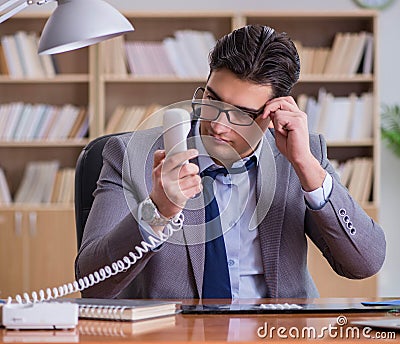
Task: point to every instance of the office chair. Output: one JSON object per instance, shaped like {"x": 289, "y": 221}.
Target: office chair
{"x": 87, "y": 172}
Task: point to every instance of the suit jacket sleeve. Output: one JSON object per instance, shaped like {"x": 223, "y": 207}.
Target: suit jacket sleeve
{"x": 111, "y": 231}
{"x": 352, "y": 242}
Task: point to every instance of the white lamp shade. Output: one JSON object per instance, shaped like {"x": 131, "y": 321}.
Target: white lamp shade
{"x": 78, "y": 23}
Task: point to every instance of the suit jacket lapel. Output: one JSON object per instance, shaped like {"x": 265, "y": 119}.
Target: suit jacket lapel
{"x": 194, "y": 229}
{"x": 271, "y": 202}
{"x": 193, "y": 233}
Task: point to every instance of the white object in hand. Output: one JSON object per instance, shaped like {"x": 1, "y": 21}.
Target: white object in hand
{"x": 176, "y": 124}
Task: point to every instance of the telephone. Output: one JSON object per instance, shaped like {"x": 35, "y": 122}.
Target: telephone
{"x": 176, "y": 122}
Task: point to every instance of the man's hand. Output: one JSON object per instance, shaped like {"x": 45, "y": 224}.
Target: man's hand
{"x": 173, "y": 181}
{"x": 292, "y": 140}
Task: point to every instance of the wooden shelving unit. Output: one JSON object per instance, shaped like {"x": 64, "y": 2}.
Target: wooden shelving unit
{"x": 82, "y": 82}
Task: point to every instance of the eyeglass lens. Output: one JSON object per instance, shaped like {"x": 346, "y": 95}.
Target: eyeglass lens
{"x": 208, "y": 109}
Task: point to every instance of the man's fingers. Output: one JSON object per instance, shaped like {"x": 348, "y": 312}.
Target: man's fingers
{"x": 187, "y": 170}
{"x": 159, "y": 155}
{"x": 176, "y": 160}
{"x": 190, "y": 186}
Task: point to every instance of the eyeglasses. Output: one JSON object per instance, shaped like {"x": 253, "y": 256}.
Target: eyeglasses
{"x": 210, "y": 109}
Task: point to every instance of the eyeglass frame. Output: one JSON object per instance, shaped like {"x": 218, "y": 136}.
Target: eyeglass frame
{"x": 252, "y": 115}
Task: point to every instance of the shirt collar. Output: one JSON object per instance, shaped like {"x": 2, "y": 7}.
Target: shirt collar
{"x": 204, "y": 159}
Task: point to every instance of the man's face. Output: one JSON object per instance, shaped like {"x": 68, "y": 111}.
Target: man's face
{"x": 226, "y": 142}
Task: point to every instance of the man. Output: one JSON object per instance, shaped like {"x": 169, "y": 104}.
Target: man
{"x": 265, "y": 212}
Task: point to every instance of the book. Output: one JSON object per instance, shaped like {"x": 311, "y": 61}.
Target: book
{"x": 362, "y": 123}
{"x": 82, "y": 114}
{"x": 360, "y": 183}
{"x": 115, "y": 119}
{"x": 334, "y": 54}
{"x": 367, "y": 62}
{"x": 113, "y": 329}
{"x": 124, "y": 309}
{"x": 320, "y": 57}
{"x": 115, "y": 60}
{"x": 338, "y": 118}
{"x": 5, "y": 194}
{"x": 355, "y": 52}
{"x": 29, "y": 58}
{"x": 37, "y": 182}
{"x": 11, "y": 56}
{"x": 3, "y": 62}
{"x": 368, "y": 181}
{"x": 14, "y": 112}
{"x": 346, "y": 169}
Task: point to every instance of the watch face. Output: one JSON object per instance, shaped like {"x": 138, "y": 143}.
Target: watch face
{"x": 148, "y": 212}
{"x": 379, "y": 4}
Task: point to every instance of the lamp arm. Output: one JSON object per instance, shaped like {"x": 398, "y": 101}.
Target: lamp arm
{"x": 8, "y": 4}
{"x": 43, "y": 2}
{"x": 12, "y": 7}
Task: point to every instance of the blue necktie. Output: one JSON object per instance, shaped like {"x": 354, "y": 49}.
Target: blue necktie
{"x": 216, "y": 281}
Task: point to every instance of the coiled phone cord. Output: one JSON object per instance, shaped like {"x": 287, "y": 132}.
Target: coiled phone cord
{"x": 121, "y": 265}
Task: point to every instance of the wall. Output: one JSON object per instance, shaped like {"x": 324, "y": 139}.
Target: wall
{"x": 389, "y": 50}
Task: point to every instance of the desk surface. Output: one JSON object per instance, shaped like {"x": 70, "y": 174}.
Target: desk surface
{"x": 216, "y": 328}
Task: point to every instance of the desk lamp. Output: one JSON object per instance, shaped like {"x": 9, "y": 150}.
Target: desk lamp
{"x": 74, "y": 23}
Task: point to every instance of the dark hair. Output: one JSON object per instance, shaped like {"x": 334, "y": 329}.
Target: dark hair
{"x": 258, "y": 54}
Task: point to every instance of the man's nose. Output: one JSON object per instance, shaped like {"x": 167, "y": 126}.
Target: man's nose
{"x": 221, "y": 121}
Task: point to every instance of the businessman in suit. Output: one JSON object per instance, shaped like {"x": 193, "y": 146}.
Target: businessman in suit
{"x": 289, "y": 191}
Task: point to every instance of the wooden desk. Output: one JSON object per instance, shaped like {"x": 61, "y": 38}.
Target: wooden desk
{"x": 218, "y": 328}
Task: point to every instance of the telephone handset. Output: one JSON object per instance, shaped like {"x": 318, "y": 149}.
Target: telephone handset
{"x": 176, "y": 127}
{"x": 176, "y": 124}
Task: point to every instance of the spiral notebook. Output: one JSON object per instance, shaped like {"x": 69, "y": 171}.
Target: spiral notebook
{"x": 124, "y": 309}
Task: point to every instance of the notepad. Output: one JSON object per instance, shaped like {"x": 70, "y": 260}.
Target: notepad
{"x": 124, "y": 309}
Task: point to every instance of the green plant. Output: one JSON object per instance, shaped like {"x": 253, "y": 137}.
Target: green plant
{"x": 390, "y": 127}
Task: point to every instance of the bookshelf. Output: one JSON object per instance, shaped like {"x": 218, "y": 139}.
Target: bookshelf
{"x": 38, "y": 244}
{"x": 84, "y": 81}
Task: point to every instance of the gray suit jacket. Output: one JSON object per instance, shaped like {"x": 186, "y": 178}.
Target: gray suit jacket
{"x": 175, "y": 270}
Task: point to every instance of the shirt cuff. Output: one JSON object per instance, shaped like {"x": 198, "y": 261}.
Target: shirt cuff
{"x": 317, "y": 198}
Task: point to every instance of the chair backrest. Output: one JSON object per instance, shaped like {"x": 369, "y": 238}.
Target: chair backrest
{"x": 87, "y": 171}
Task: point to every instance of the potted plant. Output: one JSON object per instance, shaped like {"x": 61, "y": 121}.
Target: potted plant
{"x": 390, "y": 127}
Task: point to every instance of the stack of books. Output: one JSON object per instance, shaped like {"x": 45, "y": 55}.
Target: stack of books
{"x": 44, "y": 122}
{"x": 184, "y": 55}
{"x": 351, "y": 53}
{"x": 19, "y": 57}
{"x": 43, "y": 182}
{"x": 129, "y": 118}
{"x": 357, "y": 175}
{"x": 339, "y": 119}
